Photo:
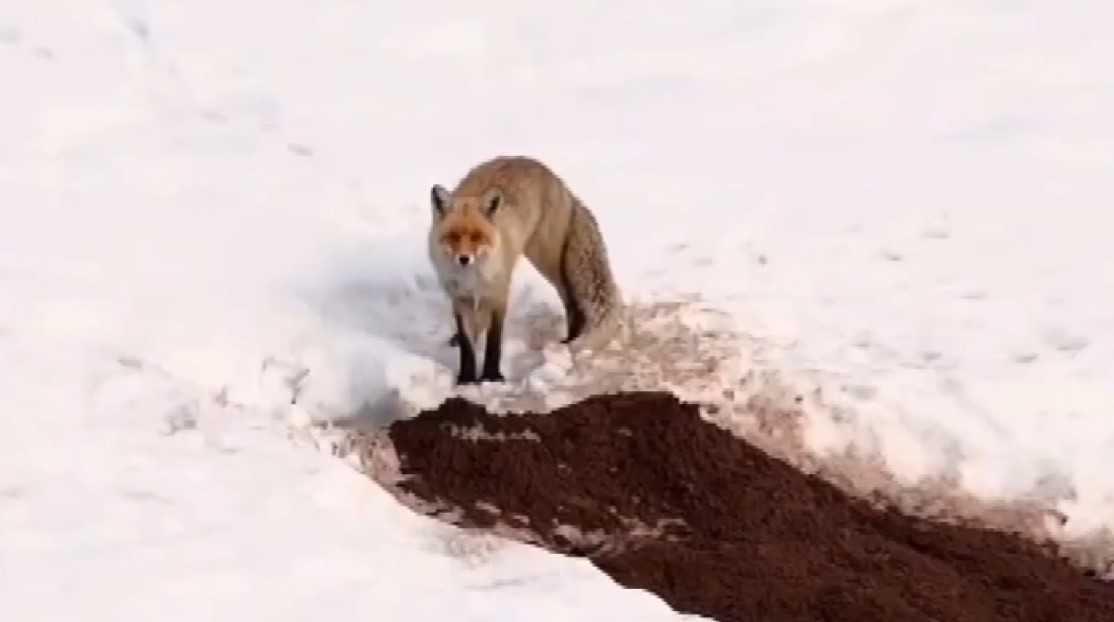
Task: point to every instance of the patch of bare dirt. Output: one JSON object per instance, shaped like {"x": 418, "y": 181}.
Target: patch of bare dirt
{"x": 662, "y": 499}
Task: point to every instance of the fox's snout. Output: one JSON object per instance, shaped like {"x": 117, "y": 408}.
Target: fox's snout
{"x": 469, "y": 257}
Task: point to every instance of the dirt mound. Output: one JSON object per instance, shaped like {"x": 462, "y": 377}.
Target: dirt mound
{"x": 664, "y": 501}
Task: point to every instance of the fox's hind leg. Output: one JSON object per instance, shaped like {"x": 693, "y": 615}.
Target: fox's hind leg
{"x": 591, "y": 284}
{"x": 574, "y": 320}
{"x": 554, "y": 271}
{"x": 574, "y": 317}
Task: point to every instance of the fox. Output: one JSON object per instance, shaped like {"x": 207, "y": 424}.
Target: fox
{"x": 503, "y": 209}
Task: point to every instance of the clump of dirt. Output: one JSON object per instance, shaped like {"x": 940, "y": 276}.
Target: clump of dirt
{"x": 662, "y": 500}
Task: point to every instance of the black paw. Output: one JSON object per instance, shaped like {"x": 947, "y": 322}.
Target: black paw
{"x": 571, "y": 338}
{"x": 492, "y": 376}
{"x": 454, "y": 341}
{"x": 467, "y": 378}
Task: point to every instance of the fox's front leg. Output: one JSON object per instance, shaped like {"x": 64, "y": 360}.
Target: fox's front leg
{"x": 467, "y": 372}
{"x": 493, "y": 349}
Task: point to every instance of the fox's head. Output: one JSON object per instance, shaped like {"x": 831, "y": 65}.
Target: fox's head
{"x": 462, "y": 228}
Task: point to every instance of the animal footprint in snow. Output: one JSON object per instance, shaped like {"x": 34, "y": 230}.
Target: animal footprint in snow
{"x": 1064, "y": 341}
{"x": 10, "y": 35}
{"x": 299, "y": 149}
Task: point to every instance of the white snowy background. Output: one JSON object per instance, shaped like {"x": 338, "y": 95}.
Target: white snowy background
{"x": 208, "y": 207}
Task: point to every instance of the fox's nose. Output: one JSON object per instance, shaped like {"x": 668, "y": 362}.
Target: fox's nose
{"x": 464, "y": 260}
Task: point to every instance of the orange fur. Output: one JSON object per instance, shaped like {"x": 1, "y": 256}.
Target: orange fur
{"x": 465, "y": 233}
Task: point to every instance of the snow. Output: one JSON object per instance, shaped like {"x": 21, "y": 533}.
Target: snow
{"x": 209, "y": 213}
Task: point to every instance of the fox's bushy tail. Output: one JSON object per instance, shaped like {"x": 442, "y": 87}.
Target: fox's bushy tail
{"x": 590, "y": 281}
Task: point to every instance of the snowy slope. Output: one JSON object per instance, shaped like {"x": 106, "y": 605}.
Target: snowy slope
{"x": 157, "y": 234}
{"x": 208, "y": 212}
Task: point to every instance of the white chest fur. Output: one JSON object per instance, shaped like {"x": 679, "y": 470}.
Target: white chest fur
{"x": 475, "y": 282}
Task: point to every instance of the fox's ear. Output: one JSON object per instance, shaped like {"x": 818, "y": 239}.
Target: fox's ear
{"x": 439, "y": 198}
{"x": 492, "y": 201}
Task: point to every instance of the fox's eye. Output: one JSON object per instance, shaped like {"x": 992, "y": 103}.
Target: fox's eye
{"x": 477, "y": 238}
{"x": 452, "y": 237}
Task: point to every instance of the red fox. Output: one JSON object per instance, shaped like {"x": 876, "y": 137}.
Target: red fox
{"x": 502, "y": 209}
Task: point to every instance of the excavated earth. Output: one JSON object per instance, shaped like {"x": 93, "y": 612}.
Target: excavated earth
{"x": 662, "y": 500}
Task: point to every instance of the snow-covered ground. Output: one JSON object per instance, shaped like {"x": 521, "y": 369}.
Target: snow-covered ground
{"x": 209, "y": 211}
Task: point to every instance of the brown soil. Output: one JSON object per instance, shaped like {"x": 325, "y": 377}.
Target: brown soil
{"x": 661, "y": 500}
